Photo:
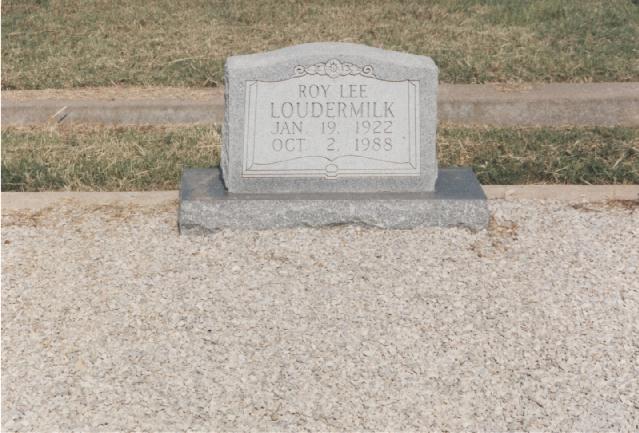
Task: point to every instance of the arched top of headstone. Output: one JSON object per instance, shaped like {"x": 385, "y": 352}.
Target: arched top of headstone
{"x": 335, "y": 59}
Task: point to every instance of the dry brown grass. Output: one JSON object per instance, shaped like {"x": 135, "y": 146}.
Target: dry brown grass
{"x": 75, "y": 43}
{"x": 128, "y": 159}
{"x": 566, "y": 155}
{"x": 103, "y": 159}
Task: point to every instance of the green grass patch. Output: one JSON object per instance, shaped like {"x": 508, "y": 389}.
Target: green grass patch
{"x": 76, "y": 43}
{"x": 130, "y": 159}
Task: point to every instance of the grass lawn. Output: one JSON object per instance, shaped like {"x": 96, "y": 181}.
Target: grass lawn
{"x": 76, "y": 43}
{"x": 127, "y": 159}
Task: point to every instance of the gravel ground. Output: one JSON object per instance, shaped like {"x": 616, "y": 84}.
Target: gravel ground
{"x": 112, "y": 322}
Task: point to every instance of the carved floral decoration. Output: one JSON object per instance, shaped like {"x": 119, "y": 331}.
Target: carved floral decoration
{"x": 333, "y": 68}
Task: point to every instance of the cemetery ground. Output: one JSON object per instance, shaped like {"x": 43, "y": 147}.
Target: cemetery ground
{"x": 112, "y": 321}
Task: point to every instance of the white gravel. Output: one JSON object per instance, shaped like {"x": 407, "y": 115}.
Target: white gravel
{"x": 112, "y": 322}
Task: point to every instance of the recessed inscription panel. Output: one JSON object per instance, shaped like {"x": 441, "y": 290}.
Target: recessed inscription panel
{"x": 331, "y": 120}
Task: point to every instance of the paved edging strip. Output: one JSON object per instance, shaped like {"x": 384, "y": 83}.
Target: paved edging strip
{"x": 40, "y": 200}
{"x": 572, "y": 193}
{"x": 555, "y": 104}
{"x": 113, "y": 113}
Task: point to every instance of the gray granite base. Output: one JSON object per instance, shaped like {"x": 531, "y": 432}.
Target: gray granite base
{"x": 206, "y": 206}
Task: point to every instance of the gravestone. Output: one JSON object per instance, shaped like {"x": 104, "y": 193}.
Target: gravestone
{"x": 330, "y": 133}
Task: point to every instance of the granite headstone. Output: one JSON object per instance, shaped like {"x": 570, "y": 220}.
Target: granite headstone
{"x": 330, "y": 133}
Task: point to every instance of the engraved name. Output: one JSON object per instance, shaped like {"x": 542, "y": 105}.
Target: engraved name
{"x": 332, "y": 109}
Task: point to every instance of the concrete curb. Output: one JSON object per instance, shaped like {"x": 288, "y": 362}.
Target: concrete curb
{"x": 556, "y": 104}
{"x": 34, "y": 201}
{"x": 570, "y": 193}
{"x": 114, "y": 113}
